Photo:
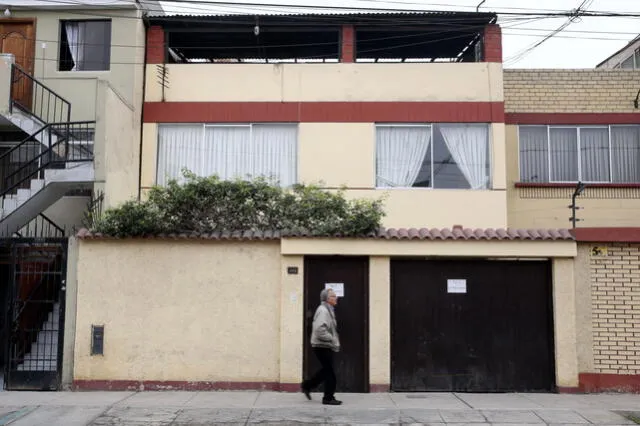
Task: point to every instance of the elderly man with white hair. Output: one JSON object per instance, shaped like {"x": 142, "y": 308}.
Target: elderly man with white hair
{"x": 325, "y": 341}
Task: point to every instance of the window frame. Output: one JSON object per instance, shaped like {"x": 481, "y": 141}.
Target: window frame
{"x": 432, "y": 126}
{"x": 577, "y": 127}
{"x": 61, "y": 27}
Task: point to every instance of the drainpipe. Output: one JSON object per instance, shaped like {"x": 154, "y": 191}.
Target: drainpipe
{"x": 144, "y": 84}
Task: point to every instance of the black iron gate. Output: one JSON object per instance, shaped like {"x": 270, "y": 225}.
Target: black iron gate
{"x": 34, "y": 274}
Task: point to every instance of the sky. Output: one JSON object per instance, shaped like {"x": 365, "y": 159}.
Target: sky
{"x": 583, "y": 44}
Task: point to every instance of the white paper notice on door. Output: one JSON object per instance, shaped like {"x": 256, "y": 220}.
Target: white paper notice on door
{"x": 338, "y": 288}
{"x": 456, "y": 286}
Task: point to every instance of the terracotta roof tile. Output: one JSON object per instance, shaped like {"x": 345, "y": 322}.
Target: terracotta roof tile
{"x": 455, "y": 233}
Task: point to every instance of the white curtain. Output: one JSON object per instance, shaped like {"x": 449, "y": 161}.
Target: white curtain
{"x": 400, "y": 152}
{"x": 230, "y": 152}
{"x": 594, "y": 154}
{"x": 226, "y": 152}
{"x": 534, "y": 154}
{"x": 179, "y": 146}
{"x": 275, "y": 152}
{"x": 564, "y": 154}
{"x": 625, "y": 154}
{"x": 468, "y": 144}
{"x": 75, "y": 38}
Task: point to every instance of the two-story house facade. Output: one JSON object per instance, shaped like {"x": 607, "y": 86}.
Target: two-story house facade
{"x": 71, "y": 83}
{"x": 405, "y": 106}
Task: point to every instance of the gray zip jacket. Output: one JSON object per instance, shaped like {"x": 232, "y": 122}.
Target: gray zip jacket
{"x": 324, "y": 332}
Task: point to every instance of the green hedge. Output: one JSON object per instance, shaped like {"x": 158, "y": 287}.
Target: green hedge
{"x": 208, "y": 204}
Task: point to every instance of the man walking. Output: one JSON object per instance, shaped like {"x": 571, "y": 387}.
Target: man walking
{"x": 325, "y": 341}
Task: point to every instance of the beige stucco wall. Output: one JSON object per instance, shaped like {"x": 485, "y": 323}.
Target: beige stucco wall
{"x": 457, "y": 82}
{"x": 548, "y": 207}
{"x": 196, "y": 311}
{"x": 379, "y": 320}
{"x": 455, "y": 248}
{"x": 337, "y": 155}
{"x": 564, "y": 318}
{"x": 80, "y": 87}
{"x": 291, "y": 320}
{"x": 117, "y": 147}
{"x": 571, "y": 90}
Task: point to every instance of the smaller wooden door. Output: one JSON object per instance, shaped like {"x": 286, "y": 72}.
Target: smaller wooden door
{"x": 352, "y": 313}
{"x": 18, "y": 38}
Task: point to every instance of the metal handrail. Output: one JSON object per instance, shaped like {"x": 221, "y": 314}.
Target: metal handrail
{"x": 45, "y": 159}
{"x": 32, "y": 89}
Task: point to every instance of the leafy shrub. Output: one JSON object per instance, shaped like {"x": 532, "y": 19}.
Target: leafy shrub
{"x": 208, "y": 204}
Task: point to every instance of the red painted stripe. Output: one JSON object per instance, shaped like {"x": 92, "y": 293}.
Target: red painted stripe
{"x": 572, "y": 118}
{"x": 154, "y": 385}
{"x": 378, "y": 388}
{"x": 324, "y": 112}
{"x": 607, "y": 235}
{"x": 597, "y": 382}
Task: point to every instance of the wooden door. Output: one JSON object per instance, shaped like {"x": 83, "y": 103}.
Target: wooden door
{"x": 492, "y": 332}
{"x": 18, "y": 38}
{"x": 352, "y": 314}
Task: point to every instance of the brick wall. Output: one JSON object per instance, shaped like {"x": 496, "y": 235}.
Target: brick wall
{"x": 570, "y": 91}
{"x": 615, "y": 296}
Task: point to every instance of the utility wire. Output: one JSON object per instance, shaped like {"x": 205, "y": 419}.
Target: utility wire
{"x": 522, "y": 54}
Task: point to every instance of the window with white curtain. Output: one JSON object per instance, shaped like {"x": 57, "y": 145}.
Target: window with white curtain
{"x": 229, "y": 151}
{"x": 432, "y": 156}
{"x": 580, "y": 153}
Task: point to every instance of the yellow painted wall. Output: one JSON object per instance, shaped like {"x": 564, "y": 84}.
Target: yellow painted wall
{"x": 201, "y": 311}
{"x": 564, "y": 319}
{"x": 80, "y": 87}
{"x": 340, "y": 155}
{"x": 379, "y": 320}
{"x": 458, "y": 82}
{"x": 117, "y": 147}
{"x": 548, "y": 207}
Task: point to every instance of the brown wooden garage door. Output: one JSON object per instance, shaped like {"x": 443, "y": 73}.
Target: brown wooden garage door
{"x": 494, "y": 335}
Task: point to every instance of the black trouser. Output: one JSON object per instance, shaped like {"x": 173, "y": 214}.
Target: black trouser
{"x": 325, "y": 374}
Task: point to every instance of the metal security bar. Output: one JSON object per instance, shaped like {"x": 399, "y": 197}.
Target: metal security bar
{"x": 35, "y": 313}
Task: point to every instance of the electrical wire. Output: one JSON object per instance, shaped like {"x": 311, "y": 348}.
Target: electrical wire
{"x": 523, "y": 53}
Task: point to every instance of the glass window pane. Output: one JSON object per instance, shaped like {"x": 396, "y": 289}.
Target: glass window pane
{"x": 594, "y": 154}
{"x": 627, "y": 64}
{"x": 534, "y": 154}
{"x": 400, "y": 155}
{"x": 625, "y": 154}
{"x": 564, "y": 154}
{"x": 461, "y": 156}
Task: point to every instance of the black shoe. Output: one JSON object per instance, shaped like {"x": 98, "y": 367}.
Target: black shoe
{"x": 331, "y": 402}
{"x": 306, "y": 391}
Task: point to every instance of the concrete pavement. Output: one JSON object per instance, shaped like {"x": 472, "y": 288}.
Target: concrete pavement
{"x": 211, "y": 408}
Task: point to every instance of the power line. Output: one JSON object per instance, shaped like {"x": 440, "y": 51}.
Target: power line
{"x": 543, "y": 12}
{"x": 521, "y": 55}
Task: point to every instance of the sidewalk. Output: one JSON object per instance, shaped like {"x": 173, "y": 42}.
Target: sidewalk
{"x": 210, "y": 408}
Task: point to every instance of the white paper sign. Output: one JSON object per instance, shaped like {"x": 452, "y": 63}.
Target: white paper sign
{"x": 338, "y": 288}
{"x": 456, "y": 286}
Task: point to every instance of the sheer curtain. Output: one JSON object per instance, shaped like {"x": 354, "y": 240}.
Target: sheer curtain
{"x": 564, "y": 154}
{"x": 179, "y": 146}
{"x": 468, "y": 144}
{"x": 226, "y": 152}
{"x": 594, "y": 154}
{"x": 625, "y": 154}
{"x": 275, "y": 152}
{"x": 400, "y": 152}
{"x": 534, "y": 154}
{"x": 75, "y": 38}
